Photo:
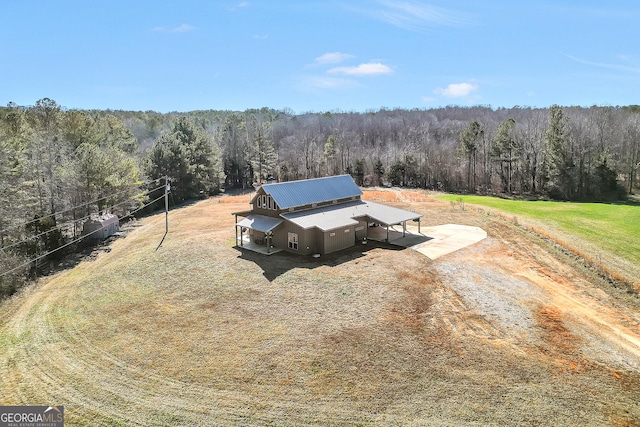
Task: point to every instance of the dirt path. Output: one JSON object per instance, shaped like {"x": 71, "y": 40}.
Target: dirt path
{"x": 517, "y": 292}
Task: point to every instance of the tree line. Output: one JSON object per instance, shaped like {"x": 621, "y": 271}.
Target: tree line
{"x": 57, "y": 166}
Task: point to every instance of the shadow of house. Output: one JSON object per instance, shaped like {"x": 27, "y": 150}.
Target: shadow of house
{"x": 274, "y": 266}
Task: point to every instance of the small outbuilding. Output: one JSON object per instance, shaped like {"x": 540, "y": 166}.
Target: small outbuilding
{"x": 314, "y": 216}
{"x": 101, "y": 227}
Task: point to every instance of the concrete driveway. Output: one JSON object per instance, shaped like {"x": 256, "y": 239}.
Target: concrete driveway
{"x": 438, "y": 240}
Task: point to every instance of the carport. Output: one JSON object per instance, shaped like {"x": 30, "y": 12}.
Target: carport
{"x": 387, "y": 217}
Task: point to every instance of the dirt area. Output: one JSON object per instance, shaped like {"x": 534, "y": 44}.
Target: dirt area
{"x": 507, "y": 331}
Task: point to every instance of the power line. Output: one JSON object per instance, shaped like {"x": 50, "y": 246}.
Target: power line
{"x": 79, "y": 219}
{"x": 76, "y": 240}
{"x": 76, "y": 207}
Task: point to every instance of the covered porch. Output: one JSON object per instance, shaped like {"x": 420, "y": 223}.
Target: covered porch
{"x": 255, "y": 233}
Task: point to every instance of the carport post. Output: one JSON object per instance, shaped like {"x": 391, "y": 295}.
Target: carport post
{"x": 387, "y": 233}
{"x": 404, "y": 228}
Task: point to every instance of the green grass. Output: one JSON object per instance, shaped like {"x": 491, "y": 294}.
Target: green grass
{"x": 614, "y": 228}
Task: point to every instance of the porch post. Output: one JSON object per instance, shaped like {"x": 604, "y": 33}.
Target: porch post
{"x": 387, "y": 233}
{"x": 236, "y": 216}
{"x": 404, "y": 228}
{"x": 268, "y": 236}
{"x": 418, "y": 225}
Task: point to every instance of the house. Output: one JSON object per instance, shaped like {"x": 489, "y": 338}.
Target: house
{"x": 313, "y": 216}
{"x": 101, "y": 227}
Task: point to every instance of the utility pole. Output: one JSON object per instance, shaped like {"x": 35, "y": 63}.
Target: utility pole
{"x": 167, "y": 187}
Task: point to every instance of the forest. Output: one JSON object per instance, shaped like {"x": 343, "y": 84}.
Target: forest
{"x": 59, "y": 167}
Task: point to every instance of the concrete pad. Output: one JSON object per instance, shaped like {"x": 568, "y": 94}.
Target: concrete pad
{"x": 448, "y": 238}
{"x": 262, "y": 249}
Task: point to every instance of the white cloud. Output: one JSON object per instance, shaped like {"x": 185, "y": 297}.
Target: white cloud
{"x": 330, "y": 83}
{"x": 413, "y": 15}
{"x": 179, "y": 29}
{"x": 457, "y": 90}
{"x": 332, "y": 58}
{"x": 238, "y": 6}
{"x": 369, "y": 69}
{"x": 183, "y": 28}
{"x": 619, "y": 67}
{"x": 320, "y": 84}
{"x": 428, "y": 99}
{"x": 261, "y": 36}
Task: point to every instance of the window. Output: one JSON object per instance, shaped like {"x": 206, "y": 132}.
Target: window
{"x": 266, "y": 202}
{"x": 293, "y": 241}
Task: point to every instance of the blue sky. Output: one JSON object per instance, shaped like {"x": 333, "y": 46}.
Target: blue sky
{"x": 351, "y": 55}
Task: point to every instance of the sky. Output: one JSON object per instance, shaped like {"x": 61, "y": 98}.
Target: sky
{"x": 317, "y": 56}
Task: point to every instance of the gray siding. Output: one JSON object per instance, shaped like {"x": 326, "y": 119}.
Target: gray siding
{"x": 306, "y": 239}
{"x": 361, "y": 230}
{"x": 268, "y": 209}
{"x": 338, "y": 239}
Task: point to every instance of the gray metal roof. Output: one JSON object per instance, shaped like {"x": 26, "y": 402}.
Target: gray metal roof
{"x": 341, "y": 215}
{"x": 388, "y": 215}
{"x": 260, "y": 223}
{"x": 308, "y": 191}
{"x": 327, "y": 217}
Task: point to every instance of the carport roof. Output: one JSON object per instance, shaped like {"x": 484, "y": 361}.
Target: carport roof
{"x": 388, "y": 215}
{"x": 344, "y": 214}
{"x": 260, "y": 223}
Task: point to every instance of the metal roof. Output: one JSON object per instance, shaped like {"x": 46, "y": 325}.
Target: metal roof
{"x": 388, "y": 215}
{"x": 341, "y": 215}
{"x": 308, "y": 191}
{"x": 325, "y": 218}
{"x": 260, "y": 223}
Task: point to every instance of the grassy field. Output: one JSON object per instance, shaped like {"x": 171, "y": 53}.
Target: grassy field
{"x": 612, "y": 228}
{"x": 198, "y": 332}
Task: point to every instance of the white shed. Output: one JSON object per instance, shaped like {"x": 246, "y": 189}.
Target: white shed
{"x": 101, "y": 227}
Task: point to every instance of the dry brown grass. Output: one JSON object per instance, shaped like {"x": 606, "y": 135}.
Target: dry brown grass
{"x": 396, "y": 195}
{"x": 199, "y": 333}
{"x": 381, "y": 196}
{"x": 241, "y": 198}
